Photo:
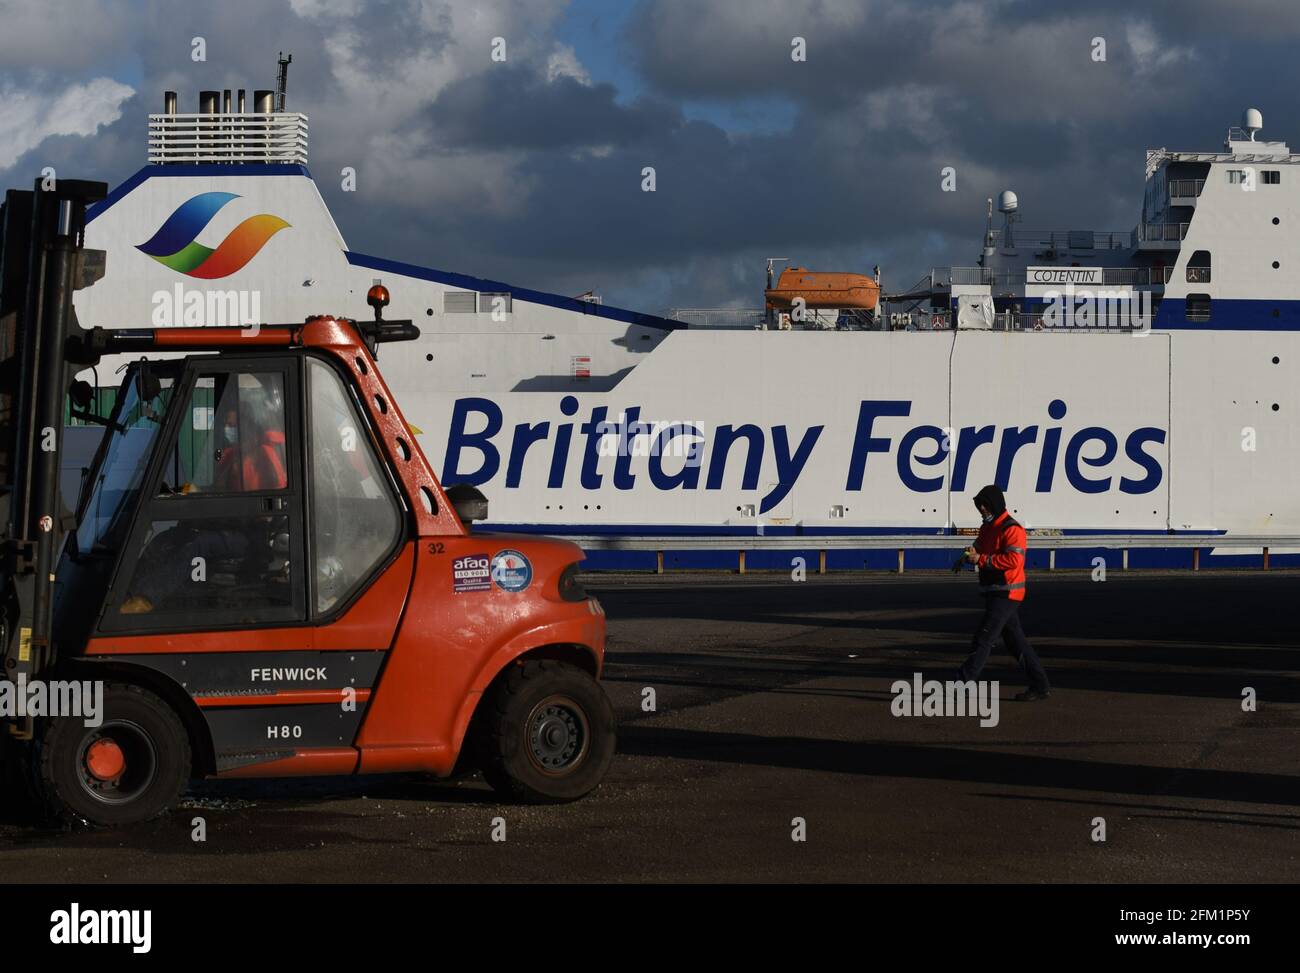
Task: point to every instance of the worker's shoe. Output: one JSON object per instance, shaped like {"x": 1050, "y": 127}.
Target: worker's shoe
{"x": 1031, "y": 694}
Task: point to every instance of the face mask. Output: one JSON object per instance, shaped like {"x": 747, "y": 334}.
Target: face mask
{"x": 232, "y": 434}
{"x": 987, "y": 518}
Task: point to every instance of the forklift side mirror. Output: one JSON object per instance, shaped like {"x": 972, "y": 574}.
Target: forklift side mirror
{"x": 147, "y": 383}
{"x": 469, "y": 503}
{"x": 81, "y": 394}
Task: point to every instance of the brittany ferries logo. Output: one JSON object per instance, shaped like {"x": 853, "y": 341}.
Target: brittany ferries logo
{"x": 174, "y": 244}
{"x": 1090, "y": 459}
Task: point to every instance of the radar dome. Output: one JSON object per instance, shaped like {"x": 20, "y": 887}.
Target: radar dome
{"x": 1007, "y": 202}
{"x": 1252, "y": 121}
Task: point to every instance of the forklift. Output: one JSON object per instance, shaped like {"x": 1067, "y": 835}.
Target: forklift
{"x": 262, "y": 576}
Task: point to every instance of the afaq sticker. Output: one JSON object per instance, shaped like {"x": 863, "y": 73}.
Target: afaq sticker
{"x": 471, "y": 573}
{"x": 511, "y": 571}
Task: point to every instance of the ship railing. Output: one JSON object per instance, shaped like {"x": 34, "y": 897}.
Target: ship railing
{"x": 964, "y": 275}
{"x": 1111, "y": 276}
{"x": 1040, "y": 321}
{"x": 1062, "y": 239}
{"x": 755, "y": 319}
{"x": 1138, "y": 276}
{"x": 1186, "y": 187}
{"x": 718, "y": 317}
{"x": 918, "y": 320}
{"x": 952, "y": 541}
{"x": 1159, "y": 232}
{"x": 228, "y": 137}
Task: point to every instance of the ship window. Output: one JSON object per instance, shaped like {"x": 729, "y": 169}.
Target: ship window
{"x": 459, "y": 302}
{"x": 1198, "y": 307}
{"x": 1241, "y": 177}
{"x": 488, "y": 303}
{"x": 1198, "y": 268}
{"x": 1272, "y": 177}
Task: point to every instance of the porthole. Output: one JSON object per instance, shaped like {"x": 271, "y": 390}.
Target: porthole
{"x": 1276, "y": 265}
{"x": 1276, "y": 221}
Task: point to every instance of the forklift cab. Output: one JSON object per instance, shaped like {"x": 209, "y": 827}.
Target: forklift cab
{"x": 196, "y": 511}
{"x": 263, "y": 574}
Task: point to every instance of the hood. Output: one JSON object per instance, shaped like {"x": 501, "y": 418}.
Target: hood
{"x": 992, "y": 498}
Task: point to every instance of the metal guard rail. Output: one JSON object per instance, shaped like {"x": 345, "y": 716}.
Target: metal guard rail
{"x": 1042, "y": 541}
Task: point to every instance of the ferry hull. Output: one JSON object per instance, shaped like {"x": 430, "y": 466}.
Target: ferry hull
{"x": 588, "y": 420}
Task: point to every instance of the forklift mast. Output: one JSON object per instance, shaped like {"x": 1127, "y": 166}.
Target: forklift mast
{"x": 42, "y": 262}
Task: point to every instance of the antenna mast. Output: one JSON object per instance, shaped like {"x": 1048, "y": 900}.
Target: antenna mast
{"x": 282, "y": 83}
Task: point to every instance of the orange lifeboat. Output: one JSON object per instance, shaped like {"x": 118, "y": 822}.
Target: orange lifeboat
{"x": 822, "y": 290}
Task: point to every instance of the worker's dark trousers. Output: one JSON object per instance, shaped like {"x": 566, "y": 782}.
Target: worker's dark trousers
{"x": 1002, "y": 618}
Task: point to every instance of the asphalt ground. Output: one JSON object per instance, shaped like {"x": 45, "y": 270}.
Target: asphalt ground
{"x": 772, "y": 703}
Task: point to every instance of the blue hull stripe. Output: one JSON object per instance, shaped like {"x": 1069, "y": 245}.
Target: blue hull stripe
{"x": 722, "y": 532}
{"x": 208, "y": 169}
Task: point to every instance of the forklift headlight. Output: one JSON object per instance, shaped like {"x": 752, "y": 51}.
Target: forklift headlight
{"x": 570, "y": 590}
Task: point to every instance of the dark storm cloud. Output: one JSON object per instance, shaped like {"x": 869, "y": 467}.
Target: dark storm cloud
{"x": 512, "y": 107}
{"x": 527, "y": 172}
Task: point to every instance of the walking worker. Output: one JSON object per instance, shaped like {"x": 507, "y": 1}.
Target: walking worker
{"x": 999, "y": 556}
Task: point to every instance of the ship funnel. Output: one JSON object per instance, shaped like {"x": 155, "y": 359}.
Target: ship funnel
{"x": 221, "y": 131}
{"x": 1252, "y": 121}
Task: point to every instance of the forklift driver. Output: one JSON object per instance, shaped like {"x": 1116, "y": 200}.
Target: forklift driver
{"x": 254, "y": 461}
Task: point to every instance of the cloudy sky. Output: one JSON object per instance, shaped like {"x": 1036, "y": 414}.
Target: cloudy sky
{"x": 529, "y": 169}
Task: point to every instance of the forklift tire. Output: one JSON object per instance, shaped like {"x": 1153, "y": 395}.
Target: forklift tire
{"x": 549, "y": 733}
{"x": 130, "y": 768}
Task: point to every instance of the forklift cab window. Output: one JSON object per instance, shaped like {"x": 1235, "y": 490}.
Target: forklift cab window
{"x": 220, "y": 539}
{"x": 355, "y": 519}
{"x": 121, "y": 470}
{"x": 231, "y": 437}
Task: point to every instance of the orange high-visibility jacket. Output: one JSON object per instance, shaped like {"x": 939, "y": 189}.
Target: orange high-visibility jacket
{"x": 1001, "y": 547}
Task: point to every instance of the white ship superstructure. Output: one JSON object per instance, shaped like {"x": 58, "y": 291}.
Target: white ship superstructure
{"x": 1138, "y": 384}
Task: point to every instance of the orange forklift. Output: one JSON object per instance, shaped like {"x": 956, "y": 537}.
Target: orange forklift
{"x": 262, "y": 576}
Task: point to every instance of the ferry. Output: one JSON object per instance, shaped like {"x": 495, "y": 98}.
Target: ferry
{"x": 1128, "y": 390}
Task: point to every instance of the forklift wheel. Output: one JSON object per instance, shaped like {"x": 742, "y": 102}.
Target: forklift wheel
{"x": 129, "y": 768}
{"x": 549, "y": 733}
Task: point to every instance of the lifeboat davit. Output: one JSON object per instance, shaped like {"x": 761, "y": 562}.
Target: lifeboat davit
{"x": 822, "y": 290}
